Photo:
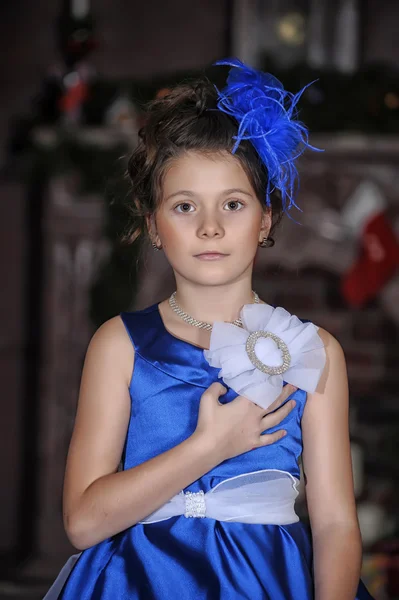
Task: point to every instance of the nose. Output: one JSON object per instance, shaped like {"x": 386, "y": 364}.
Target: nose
{"x": 210, "y": 227}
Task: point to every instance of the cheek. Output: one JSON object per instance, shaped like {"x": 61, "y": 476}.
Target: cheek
{"x": 170, "y": 232}
{"x": 247, "y": 230}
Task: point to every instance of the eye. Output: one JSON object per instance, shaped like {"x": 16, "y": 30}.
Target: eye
{"x": 184, "y": 207}
{"x": 233, "y": 205}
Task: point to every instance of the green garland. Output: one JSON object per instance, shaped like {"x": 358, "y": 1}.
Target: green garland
{"x": 99, "y": 170}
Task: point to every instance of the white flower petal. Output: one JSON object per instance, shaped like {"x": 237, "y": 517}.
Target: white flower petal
{"x": 228, "y": 352}
{"x": 237, "y": 362}
{"x": 227, "y": 334}
{"x": 226, "y": 339}
{"x": 280, "y": 320}
{"x": 242, "y": 381}
{"x": 314, "y": 359}
{"x": 263, "y": 394}
{"x": 300, "y": 335}
{"x": 304, "y": 379}
{"x": 256, "y": 316}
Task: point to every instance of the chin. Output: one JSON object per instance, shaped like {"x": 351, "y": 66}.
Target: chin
{"x": 212, "y": 274}
{"x": 213, "y": 280}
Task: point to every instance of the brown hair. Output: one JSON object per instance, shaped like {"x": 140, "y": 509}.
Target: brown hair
{"x": 187, "y": 119}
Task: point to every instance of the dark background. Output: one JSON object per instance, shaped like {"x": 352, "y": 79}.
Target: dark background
{"x": 144, "y": 43}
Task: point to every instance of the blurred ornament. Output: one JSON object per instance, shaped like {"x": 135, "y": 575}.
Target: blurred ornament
{"x": 391, "y": 100}
{"x": 76, "y": 41}
{"x": 389, "y": 549}
{"x": 316, "y": 39}
{"x": 291, "y": 29}
{"x": 346, "y": 43}
{"x": 122, "y": 114}
{"x": 80, "y": 8}
{"x": 75, "y": 31}
{"x": 375, "y": 574}
{"x": 375, "y": 524}
{"x": 75, "y": 94}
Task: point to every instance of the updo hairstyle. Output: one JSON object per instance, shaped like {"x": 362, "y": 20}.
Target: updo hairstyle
{"x": 187, "y": 119}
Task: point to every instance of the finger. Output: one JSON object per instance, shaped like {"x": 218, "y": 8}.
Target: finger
{"x": 286, "y": 392}
{"x": 216, "y": 389}
{"x": 273, "y": 419}
{"x": 266, "y": 439}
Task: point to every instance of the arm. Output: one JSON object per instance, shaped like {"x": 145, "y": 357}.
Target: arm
{"x": 329, "y": 483}
{"x": 99, "y": 501}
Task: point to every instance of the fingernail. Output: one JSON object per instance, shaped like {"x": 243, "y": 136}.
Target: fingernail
{"x": 293, "y": 403}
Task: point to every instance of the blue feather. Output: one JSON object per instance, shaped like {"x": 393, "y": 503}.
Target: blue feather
{"x": 266, "y": 115}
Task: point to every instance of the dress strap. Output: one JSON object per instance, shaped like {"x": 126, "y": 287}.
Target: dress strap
{"x": 140, "y": 325}
{"x": 158, "y": 348}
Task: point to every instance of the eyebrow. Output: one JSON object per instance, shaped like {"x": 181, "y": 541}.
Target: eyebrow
{"x": 237, "y": 191}
{"x": 181, "y": 193}
{"x": 225, "y": 193}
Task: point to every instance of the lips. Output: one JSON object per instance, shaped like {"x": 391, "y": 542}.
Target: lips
{"x": 211, "y": 252}
{"x": 210, "y": 255}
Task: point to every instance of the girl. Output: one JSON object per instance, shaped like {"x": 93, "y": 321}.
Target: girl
{"x": 190, "y": 394}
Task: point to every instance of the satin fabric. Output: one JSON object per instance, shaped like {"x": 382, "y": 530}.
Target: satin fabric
{"x": 186, "y": 558}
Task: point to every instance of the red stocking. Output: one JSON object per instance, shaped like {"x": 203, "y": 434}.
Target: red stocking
{"x": 377, "y": 263}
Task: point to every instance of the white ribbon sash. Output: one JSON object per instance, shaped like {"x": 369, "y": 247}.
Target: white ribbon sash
{"x": 263, "y": 497}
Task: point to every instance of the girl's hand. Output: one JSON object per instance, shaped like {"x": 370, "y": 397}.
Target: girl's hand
{"x": 236, "y": 427}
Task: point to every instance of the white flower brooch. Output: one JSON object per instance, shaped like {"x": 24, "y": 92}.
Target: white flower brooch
{"x": 273, "y": 346}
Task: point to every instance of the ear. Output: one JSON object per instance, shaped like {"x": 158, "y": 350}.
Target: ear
{"x": 266, "y": 224}
{"x": 152, "y": 229}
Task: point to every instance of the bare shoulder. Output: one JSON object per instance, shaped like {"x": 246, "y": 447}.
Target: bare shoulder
{"x": 335, "y": 367}
{"x": 111, "y": 343}
{"x": 332, "y": 346}
{"x": 113, "y": 329}
{"x": 331, "y": 343}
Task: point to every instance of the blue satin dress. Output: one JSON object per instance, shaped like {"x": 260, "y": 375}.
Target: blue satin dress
{"x": 185, "y": 558}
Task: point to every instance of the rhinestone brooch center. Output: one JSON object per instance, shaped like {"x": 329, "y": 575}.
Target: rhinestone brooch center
{"x": 282, "y": 346}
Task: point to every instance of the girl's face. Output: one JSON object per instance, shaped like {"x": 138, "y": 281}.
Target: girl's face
{"x": 209, "y": 220}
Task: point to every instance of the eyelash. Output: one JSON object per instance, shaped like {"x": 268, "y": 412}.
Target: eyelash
{"x": 182, "y": 204}
{"x": 237, "y": 202}
{"x": 188, "y": 204}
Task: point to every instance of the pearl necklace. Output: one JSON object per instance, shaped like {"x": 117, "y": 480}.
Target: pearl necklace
{"x": 201, "y": 324}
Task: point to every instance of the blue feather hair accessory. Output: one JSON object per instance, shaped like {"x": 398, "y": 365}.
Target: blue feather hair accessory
{"x": 266, "y": 113}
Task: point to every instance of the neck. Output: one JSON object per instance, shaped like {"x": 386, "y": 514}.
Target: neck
{"x": 216, "y": 303}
